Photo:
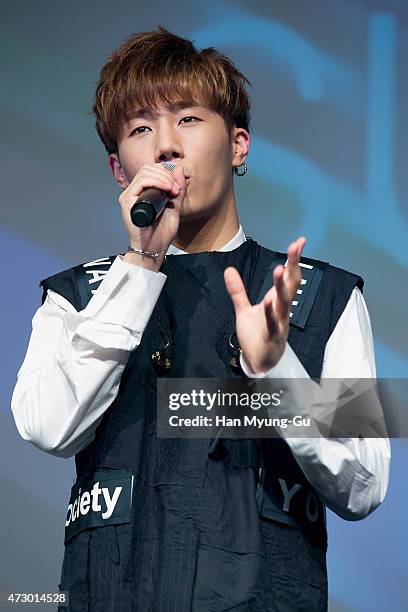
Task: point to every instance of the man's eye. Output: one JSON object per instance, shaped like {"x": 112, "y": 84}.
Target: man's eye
{"x": 190, "y": 117}
{"x": 139, "y": 130}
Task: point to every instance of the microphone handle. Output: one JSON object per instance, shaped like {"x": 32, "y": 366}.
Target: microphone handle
{"x": 149, "y": 205}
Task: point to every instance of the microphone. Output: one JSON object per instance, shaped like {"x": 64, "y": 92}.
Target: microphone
{"x": 150, "y": 204}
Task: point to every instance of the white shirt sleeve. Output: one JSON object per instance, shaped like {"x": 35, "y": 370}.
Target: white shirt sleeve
{"x": 74, "y": 362}
{"x": 350, "y": 474}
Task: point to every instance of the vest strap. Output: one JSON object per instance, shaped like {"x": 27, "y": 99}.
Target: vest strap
{"x": 312, "y": 273}
{"x": 89, "y": 276}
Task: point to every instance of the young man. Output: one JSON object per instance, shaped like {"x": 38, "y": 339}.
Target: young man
{"x": 177, "y": 524}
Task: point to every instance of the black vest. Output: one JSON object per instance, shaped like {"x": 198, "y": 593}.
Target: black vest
{"x": 207, "y": 489}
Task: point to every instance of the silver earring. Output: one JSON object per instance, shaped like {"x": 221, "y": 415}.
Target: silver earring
{"x": 245, "y": 169}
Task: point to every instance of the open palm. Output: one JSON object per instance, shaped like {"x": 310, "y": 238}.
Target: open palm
{"x": 262, "y": 329}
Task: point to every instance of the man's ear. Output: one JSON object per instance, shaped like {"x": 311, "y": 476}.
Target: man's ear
{"x": 118, "y": 172}
{"x": 240, "y": 142}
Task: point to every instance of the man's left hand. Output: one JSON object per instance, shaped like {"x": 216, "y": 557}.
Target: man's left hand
{"x": 262, "y": 329}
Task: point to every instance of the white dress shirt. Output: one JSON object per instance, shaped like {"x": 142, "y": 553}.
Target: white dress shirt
{"x": 74, "y": 363}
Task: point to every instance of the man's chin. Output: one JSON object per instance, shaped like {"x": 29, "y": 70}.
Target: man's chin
{"x": 189, "y": 213}
{"x": 192, "y": 216}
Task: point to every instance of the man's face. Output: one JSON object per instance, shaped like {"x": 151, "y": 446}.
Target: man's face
{"x": 195, "y": 138}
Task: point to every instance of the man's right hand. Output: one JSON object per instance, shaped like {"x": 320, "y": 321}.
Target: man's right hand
{"x": 156, "y": 237}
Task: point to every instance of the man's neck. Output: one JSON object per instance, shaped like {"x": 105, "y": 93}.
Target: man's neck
{"x": 209, "y": 234}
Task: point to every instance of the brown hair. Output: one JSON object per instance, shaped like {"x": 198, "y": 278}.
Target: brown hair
{"x": 154, "y": 68}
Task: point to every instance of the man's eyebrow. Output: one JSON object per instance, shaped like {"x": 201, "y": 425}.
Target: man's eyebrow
{"x": 146, "y": 113}
{"x": 143, "y": 113}
{"x": 183, "y": 104}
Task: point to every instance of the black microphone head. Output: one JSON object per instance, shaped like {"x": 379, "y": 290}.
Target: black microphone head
{"x": 143, "y": 214}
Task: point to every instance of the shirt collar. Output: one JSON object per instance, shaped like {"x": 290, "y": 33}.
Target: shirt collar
{"x": 234, "y": 243}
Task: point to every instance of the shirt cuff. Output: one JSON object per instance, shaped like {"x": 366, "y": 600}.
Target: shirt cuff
{"x": 126, "y": 296}
{"x": 298, "y": 398}
{"x": 288, "y": 366}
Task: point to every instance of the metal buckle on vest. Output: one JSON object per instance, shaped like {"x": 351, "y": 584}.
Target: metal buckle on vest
{"x": 161, "y": 361}
{"x": 236, "y": 350}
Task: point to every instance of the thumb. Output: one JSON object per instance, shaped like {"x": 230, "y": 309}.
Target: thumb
{"x": 236, "y": 289}
{"x": 178, "y": 174}
{"x": 178, "y": 197}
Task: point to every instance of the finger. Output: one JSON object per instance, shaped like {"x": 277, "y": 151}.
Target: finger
{"x": 283, "y": 295}
{"x": 180, "y": 184}
{"x": 178, "y": 176}
{"x": 175, "y": 176}
{"x": 301, "y": 245}
{"x": 271, "y": 323}
{"x": 236, "y": 289}
{"x": 293, "y": 273}
{"x": 298, "y": 247}
{"x": 144, "y": 181}
{"x": 155, "y": 179}
{"x": 293, "y": 257}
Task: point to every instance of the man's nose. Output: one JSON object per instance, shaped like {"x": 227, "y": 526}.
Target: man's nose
{"x": 168, "y": 145}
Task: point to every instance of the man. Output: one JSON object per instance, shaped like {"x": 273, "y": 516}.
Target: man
{"x": 177, "y": 524}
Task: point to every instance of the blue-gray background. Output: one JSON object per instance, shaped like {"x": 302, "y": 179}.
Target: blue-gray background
{"x": 328, "y": 161}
